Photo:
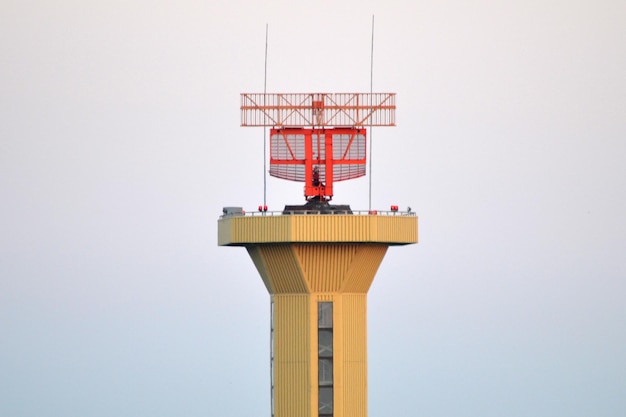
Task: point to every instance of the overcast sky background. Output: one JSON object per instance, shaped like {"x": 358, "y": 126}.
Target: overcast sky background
{"x": 120, "y": 144}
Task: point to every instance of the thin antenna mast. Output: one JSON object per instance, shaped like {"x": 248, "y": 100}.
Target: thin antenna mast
{"x": 264, "y": 211}
{"x": 371, "y": 131}
{"x": 265, "y": 130}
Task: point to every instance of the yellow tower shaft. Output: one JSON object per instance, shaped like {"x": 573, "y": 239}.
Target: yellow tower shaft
{"x": 299, "y": 277}
{"x": 318, "y": 270}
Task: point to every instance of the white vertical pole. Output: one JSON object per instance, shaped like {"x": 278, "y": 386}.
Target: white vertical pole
{"x": 264, "y": 128}
{"x": 371, "y": 132}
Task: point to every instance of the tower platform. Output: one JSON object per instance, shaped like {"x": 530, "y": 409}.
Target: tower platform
{"x": 318, "y": 269}
{"x": 389, "y": 228}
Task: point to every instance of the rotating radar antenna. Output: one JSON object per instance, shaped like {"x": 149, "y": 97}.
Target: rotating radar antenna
{"x": 318, "y": 138}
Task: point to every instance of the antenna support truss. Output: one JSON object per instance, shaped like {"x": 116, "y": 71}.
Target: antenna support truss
{"x": 318, "y": 109}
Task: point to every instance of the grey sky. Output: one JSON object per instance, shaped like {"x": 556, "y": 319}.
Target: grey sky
{"x": 120, "y": 143}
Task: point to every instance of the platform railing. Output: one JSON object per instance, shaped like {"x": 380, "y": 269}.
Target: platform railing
{"x": 256, "y": 213}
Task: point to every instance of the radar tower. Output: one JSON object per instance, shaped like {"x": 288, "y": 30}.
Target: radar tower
{"x": 317, "y": 260}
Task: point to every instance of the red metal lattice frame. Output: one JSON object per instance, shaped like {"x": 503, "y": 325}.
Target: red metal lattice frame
{"x": 318, "y": 109}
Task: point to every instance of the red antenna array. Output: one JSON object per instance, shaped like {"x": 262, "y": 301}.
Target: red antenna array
{"x": 318, "y": 138}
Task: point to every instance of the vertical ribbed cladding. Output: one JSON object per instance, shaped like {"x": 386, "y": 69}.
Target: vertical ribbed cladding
{"x": 292, "y": 352}
{"x": 263, "y": 228}
{"x": 281, "y": 268}
{"x": 364, "y": 267}
{"x": 325, "y": 265}
{"x": 259, "y": 263}
{"x": 354, "y": 338}
{"x": 344, "y": 228}
{"x": 338, "y": 357}
{"x": 224, "y": 232}
{"x": 397, "y": 228}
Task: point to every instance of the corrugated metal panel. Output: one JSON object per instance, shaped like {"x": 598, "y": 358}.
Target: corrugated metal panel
{"x": 364, "y": 267}
{"x": 354, "y": 364}
{"x": 396, "y": 228}
{"x": 258, "y": 229}
{"x": 292, "y": 356}
{"x": 354, "y": 228}
{"x": 324, "y": 297}
{"x": 354, "y": 327}
{"x": 338, "y": 357}
{"x": 279, "y": 268}
{"x": 283, "y": 268}
{"x": 325, "y": 266}
{"x": 257, "y": 259}
{"x": 354, "y": 390}
{"x": 318, "y": 267}
{"x": 224, "y": 235}
{"x": 243, "y": 230}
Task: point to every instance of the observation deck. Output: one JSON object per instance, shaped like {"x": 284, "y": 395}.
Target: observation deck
{"x": 391, "y": 228}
